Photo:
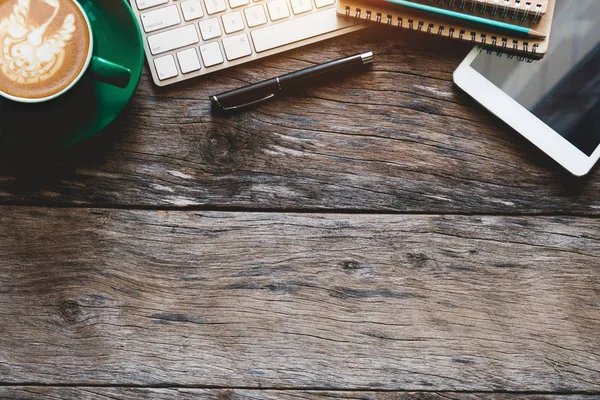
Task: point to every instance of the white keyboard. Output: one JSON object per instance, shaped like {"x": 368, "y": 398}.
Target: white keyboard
{"x": 184, "y": 39}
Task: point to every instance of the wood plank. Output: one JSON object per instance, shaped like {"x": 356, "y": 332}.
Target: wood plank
{"x": 265, "y": 300}
{"x": 134, "y": 393}
{"x": 401, "y": 137}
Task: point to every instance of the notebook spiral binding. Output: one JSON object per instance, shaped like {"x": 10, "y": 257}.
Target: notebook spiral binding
{"x": 498, "y": 44}
{"x": 498, "y": 8}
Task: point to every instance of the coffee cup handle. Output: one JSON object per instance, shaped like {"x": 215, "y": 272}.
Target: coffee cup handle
{"x": 108, "y": 72}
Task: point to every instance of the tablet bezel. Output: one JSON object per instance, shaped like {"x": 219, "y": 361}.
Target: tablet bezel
{"x": 521, "y": 119}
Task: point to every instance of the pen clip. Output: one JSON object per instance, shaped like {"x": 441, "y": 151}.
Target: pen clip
{"x": 245, "y": 104}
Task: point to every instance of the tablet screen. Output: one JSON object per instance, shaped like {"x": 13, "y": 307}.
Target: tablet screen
{"x": 562, "y": 89}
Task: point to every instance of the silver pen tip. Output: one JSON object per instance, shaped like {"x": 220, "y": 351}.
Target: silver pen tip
{"x": 367, "y": 57}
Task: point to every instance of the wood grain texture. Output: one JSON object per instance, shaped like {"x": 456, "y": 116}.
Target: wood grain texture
{"x": 128, "y": 393}
{"x": 400, "y": 137}
{"x": 266, "y": 300}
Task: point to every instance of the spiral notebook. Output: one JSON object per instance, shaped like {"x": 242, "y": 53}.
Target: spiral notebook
{"x": 536, "y": 14}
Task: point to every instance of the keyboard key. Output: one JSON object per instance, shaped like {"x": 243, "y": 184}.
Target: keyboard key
{"x": 324, "y": 3}
{"x": 237, "y": 46}
{"x": 293, "y": 30}
{"x": 143, "y": 4}
{"x": 278, "y": 9}
{"x": 238, "y": 3}
{"x": 191, "y": 9}
{"x": 301, "y": 6}
{"x": 210, "y": 29}
{"x": 215, "y": 6}
{"x": 188, "y": 60}
{"x": 211, "y": 54}
{"x": 165, "y": 67}
{"x": 173, "y": 39}
{"x": 255, "y": 15}
{"x": 233, "y": 22}
{"x": 161, "y": 18}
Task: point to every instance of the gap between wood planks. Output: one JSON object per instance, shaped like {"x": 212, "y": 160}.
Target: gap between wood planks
{"x": 257, "y": 210}
{"x": 26, "y": 385}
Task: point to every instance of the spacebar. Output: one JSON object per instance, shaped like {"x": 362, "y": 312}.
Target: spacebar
{"x": 294, "y": 30}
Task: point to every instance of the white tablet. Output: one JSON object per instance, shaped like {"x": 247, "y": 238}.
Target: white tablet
{"x": 553, "y": 102}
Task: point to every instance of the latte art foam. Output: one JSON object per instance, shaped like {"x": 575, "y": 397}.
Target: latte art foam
{"x": 43, "y": 46}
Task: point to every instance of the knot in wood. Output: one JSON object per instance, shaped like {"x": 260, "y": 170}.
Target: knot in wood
{"x": 70, "y": 311}
{"x": 351, "y": 265}
{"x": 417, "y": 259}
{"x": 226, "y": 394}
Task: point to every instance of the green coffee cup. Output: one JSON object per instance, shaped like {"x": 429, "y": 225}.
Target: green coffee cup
{"x": 46, "y": 47}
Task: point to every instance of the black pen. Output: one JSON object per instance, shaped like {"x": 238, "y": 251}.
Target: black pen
{"x": 267, "y": 89}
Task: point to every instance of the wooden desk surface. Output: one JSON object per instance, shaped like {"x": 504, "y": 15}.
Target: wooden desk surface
{"x": 378, "y": 237}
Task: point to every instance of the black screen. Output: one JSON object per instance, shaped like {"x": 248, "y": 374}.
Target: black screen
{"x": 562, "y": 89}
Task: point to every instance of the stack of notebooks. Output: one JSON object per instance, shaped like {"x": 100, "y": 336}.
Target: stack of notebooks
{"x": 534, "y": 15}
